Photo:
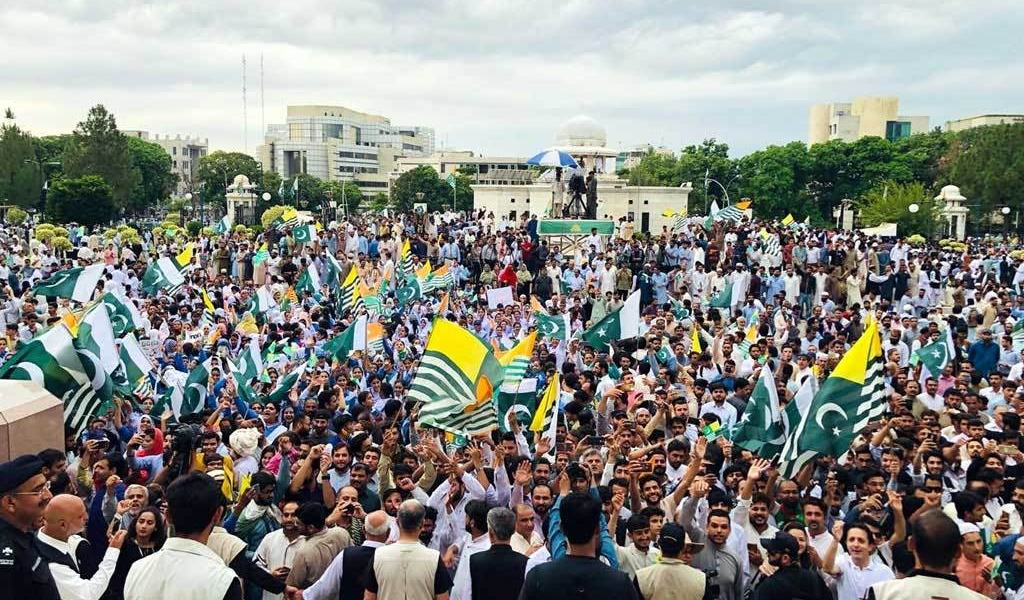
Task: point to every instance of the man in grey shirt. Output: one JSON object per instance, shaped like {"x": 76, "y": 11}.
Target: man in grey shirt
{"x": 720, "y": 564}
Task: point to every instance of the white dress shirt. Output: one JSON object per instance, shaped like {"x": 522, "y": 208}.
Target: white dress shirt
{"x": 329, "y": 585}
{"x": 463, "y": 587}
{"x": 276, "y": 550}
{"x": 69, "y": 583}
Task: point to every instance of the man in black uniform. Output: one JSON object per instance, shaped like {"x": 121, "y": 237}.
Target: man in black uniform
{"x": 790, "y": 581}
{"x": 24, "y": 494}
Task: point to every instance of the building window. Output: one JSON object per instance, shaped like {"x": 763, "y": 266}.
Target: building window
{"x": 897, "y": 130}
{"x": 174, "y": 150}
{"x": 527, "y": 200}
{"x": 442, "y": 167}
{"x": 512, "y": 201}
{"x": 174, "y": 164}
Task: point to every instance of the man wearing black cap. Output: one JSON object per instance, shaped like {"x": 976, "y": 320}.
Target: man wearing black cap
{"x": 790, "y": 581}
{"x": 24, "y": 494}
{"x": 672, "y": 578}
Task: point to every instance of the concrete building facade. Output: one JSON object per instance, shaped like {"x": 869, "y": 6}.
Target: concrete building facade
{"x": 185, "y": 152}
{"x": 490, "y": 170}
{"x": 335, "y": 143}
{"x": 865, "y": 116}
{"x": 586, "y": 141}
{"x": 981, "y": 121}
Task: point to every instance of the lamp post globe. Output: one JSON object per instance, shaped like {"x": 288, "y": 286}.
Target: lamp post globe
{"x": 1005, "y": 210}
{"x": 266, "y": 196}
{"x": 913, "y": 208}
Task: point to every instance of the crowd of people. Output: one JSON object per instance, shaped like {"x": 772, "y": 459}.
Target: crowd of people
{"x": 334, "y": 489}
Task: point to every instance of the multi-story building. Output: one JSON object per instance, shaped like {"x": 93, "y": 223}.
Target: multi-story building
{"x": 982, "y": 121}
{"x": 866, "y": 116}
{"x": 628, "y": 159}
{"x": 335, "y": 143}
{"x": 498, "y": 170}
{"x": 185, "y": 152}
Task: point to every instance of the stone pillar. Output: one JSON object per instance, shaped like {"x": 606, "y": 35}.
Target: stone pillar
{"x": 241, "y": 201}
{"x": 953, "y": 212}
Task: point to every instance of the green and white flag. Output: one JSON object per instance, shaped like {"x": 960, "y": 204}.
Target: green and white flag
{"x": 722, "y": 299}
{"x": 353, "y": 338}
{"x": 262, "y": 301}
{"x": 450, "y": 180}
{"x": 852, "y": 397}
{"x": 934, "y": 357}
{"x": 554, "y": 327}
{"x": 193, "y": 395}
{"x": 621, "y": 324}
{"x": 164, "y": 274}
{"x": 50, "y": 361}
{"x": 135, "y": 366}
{"x": 124, "y": 315}
{"x": 97, "y": 351}
{"x": 1017, "y": 335}
{"x": 761, "y": 428}
{"x": 250, "y": 361}
{"x": 78, "y": 284}
{"x": 309, "y": 282}
{"x": 304, "y": 234}
{"x": 519, "y": 397}
{"x": 295, "y": 187}
{"x": 332, "y": 272}
{"x": 410, "y": 292}
{"x": 285, "y": 384}
{"x": 223, "y": 226}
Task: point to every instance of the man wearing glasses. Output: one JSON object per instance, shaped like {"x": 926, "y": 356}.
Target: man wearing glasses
{"x": 24, "y": 494}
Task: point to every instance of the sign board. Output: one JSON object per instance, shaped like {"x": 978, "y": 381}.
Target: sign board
{"x": 574, "y": 227}
{"x": 151, "y": 348}
{"x": 502, "y": 296}
{"x": 420, "y": 208}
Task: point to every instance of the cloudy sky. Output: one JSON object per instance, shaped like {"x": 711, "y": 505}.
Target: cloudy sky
{"x": 498, "y": 77}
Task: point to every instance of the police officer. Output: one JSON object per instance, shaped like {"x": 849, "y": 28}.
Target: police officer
{"x": 24, "y": 493}
{"x": 789, "y": 582}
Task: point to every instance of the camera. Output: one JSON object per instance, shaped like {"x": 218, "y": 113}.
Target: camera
{"x": 714, "y": 590}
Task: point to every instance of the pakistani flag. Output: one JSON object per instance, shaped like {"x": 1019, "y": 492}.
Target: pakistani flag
{"x": 285, "y": 384}
{"x": 456, "y": 381}
{"x": 295, "y": 187}
{"x": 78, "y": 284}
{"x": 353, "y": 338}
{"x": 134, "y": 368}
{"x": 124, "y": 315}
{"x": 223, "y": 226}
{"x": 761, "y": 429}
{"x": 309, "y": 281}
{"x": 852, "y": 397}
{"x": 555, "y": 327}
{"x": 518, "y": 397}
{"x": 250, "y": 361}
{"x": 97, "y": 351}
{"x": 450, "y": 180}
{"x": 304, "y": 234}
{"x": 51, "y": 362}
{"x": 194, "y": 392}
{"x": 620, "y": 324}
{"x": 934, "y": 357}
{"x": 410, "y": 292}
{"x": 332, "y": 272}
{"x": 164, "y": 274}
{"x": 262, "y": 301}
{"x": 722, "y": 299}
{"x": 245, "y": 391}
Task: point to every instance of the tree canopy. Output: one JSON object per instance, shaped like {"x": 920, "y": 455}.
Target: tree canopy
{"x": 437, "y": 193}
{"x": 88, "y": 200}
{"x": 98, "y": 148}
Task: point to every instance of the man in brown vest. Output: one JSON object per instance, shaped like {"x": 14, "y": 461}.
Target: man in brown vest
{"x": 672, "y": 578}
{"x": 407, "y": 570}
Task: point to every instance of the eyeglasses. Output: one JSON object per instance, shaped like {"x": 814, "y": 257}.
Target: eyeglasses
{"x": 38, "y": 492}
{"x": 931, "y": 489}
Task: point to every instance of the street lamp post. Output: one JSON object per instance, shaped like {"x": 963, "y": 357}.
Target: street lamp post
{"x": 725, "y": 189}
{"x": 1006, "y": 221}
{"x": 188, "y": 198}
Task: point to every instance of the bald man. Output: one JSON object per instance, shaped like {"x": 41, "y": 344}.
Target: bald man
{"x": 66, "y": 517}
{"x": 343, "y": 578}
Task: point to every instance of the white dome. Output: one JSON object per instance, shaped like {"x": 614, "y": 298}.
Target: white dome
{"x": 581, "y": 130}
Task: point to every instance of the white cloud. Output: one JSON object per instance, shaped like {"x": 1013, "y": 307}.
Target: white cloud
{"x": 498, "y": 76}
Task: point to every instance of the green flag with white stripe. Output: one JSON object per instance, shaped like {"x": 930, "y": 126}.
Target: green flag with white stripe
{"x": 78, "y": 284}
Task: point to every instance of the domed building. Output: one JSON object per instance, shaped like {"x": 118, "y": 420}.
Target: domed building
{"x": 586, "y": 140}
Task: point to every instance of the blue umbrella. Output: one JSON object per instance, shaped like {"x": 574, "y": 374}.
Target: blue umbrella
{"x": 553, "y": 158}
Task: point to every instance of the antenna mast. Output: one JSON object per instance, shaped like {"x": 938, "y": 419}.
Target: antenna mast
{"x": 245, "y": 111}
{"x": 263, "y": 127}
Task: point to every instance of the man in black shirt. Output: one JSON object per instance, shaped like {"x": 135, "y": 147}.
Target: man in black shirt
{"x": 578, "y": 574}
{"x": 24, "y": 494}
{"x": 790, "y": 581}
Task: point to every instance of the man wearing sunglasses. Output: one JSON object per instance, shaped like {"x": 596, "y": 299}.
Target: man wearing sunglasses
{"x": 24, "y": 494}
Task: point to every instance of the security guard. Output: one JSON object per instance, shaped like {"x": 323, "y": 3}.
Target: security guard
{"x": 24, "y": 493}
{"x": 789, "y": 582}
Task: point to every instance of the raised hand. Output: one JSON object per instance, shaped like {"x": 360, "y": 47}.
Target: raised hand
{"x": 123, "y": 506}
{"x": 118, "y": 538}
{"x": 523, "y": 473}
{"x": 699, "y": 488}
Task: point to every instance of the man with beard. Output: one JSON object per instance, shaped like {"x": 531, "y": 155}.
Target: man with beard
{"x": 789, "y": 581}
{"x": 1014, "y": 510}
{"x": 475, "y": 540}
{"x": 322, "y": 545}
{"x": 135, "y": 497}
{"x": 256, "y": 513}
{"x": 453, "y": 495}
{"x": 318, "y": 433}
{"x": 359, "y": 478}
{"x": 787, "y": 493}
{"x": 815, "y": 513}
{"x": 343, "y": 579}
{"x": 278, "y": 548}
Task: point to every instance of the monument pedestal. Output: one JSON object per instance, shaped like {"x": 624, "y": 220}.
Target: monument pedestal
{"x": 953, "y": 212}
{"x": 31, "y": 419}
{"x": 241, "y": 201}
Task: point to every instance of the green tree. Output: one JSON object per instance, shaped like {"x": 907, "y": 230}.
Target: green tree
{"x": 271, "y": 182}
{"x": 350, "y": 198}
{"x": 463, "y": 195}
{"x": 87, "y": 200}
{"x": 380, "y": 201}
{"x": 987, "y": 163}
{"x": 890, "y": 202}
{"x": 655, "y": 169}
{"x": 310, "y": 192}
{"x": 217, "y": 170}
{"x": 98, "y": 148}
{"x": 711, "y": 157}
{"x": 20, "y": 178}
{"x": 156, "y": 178}
{"x": 421, "y": 179}
{"x": 775, "y": 178}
